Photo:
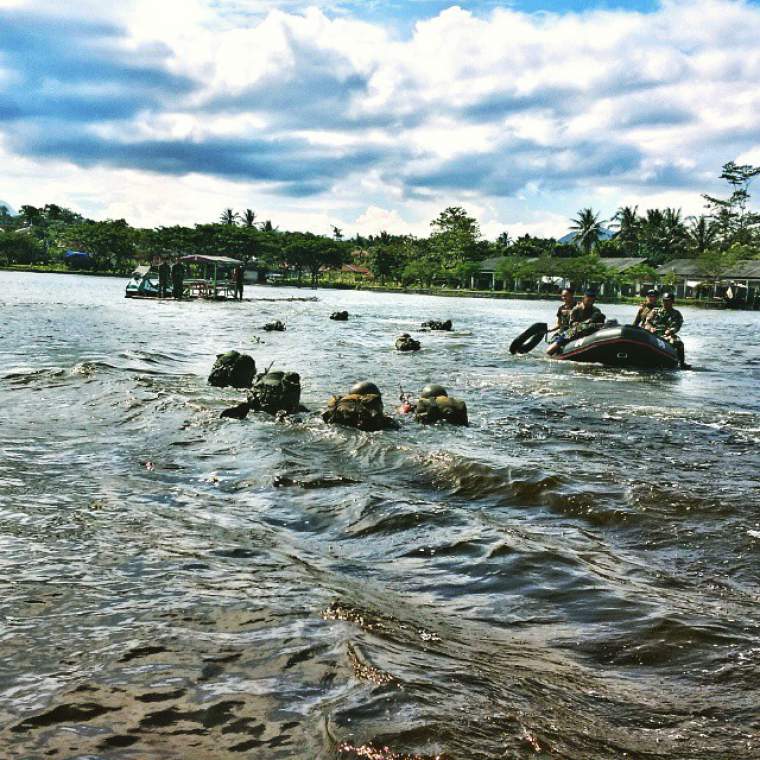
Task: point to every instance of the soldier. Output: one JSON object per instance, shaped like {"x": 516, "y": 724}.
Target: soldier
{"x": 237, "y": 277}
{"x": 164, "y": 270}
{"x": 646, "y": 309}
{"x": 585, "y": 318}
{"x": 563, "y": 321}
{"x": 178, "y": 279}
{"x": 666, "y": 322}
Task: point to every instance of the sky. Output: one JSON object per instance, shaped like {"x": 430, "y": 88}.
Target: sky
{"x": 375, "y": 115}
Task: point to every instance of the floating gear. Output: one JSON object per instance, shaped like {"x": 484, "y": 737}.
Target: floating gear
{"x": 432, "y": 409}
{"x": 528, "y": 340}
{"x": 275, "y": 392}
{"x": 434, "y": 324}
{"x": 406, "y": 342}
{"x": 232, "y": 369}
{"x": 275, "y": 326}
{"x": 431, "y": 390}
{"x": 339, "y": 316}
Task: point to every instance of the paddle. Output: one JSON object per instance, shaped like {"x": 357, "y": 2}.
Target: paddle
{"x": 529, "y": 339}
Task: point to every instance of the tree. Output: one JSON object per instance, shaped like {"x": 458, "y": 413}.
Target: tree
{"x": 228, "y": 216}
{"x": 701, "y": 233}
{"x": 386, "y": 259}
{"x": 588, "y": 229}
{"x": 111, "y": 243}
{"x": 19, "y": 248}
{"x": 455, "y": 239}
{"x": 627, "y": 223}
{"x": 735, "y": 222}
{"x": 249, "y": 217}
{"x": 337, "y": 233}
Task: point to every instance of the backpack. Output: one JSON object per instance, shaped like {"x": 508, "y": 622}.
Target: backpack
{"x": 441, "y": 408}
{"x": 276, "y": 391}
{"x": 360, "y": 411}
{"x": 232, "y": 369}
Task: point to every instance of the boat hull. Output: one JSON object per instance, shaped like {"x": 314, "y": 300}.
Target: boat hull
{"x": 621, "y": 346}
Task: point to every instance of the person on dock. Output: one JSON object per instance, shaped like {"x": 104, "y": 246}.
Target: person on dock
{"x": 667, "y": 322}
{"x": 164, "y": 272}
{"x": 649, "y": 305}
{"x": 563, "y": 321}
{"x": 237, "y": 278}
{"x": 178, "y": 279}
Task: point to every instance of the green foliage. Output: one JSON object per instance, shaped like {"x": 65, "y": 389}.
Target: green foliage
{"x": 111, "y": 243}
{"x": 19, "y": 248}
{"x": 455, "y": 239}
{"x": 588, "y": 228}
{"x": 732, "y": 216}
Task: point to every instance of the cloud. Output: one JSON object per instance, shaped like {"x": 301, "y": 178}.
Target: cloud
{"x": 499, "y": 108}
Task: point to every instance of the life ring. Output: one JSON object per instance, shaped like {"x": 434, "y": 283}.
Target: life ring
{"x": 528, "y": 340}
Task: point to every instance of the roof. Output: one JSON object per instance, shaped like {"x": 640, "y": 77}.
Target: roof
{"x": 355, "y": 268}
{"x": 615, "y": 264}
{"x": 622, "y": 263}
{"x": 492, "y": 264}
{"x": 217, "y": 260}
{"x": 747, "y": 269}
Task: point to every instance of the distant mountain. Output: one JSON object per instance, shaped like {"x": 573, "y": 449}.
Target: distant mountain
{"x": 570, "y": 237}
{"x": 11, "y": 210}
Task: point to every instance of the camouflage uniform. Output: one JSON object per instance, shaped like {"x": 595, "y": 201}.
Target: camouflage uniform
{"x": 584, "y": 321}
{"x": 669, "y": 321}
{"x": 663, "y": 320}
{"x": 641, "y": 315}
{"x": 563, "y": 315}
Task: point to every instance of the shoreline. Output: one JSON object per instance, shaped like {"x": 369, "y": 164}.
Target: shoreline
{"x": 442, "y": 292}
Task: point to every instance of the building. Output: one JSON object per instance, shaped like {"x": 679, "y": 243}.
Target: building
{"x": 489, "y": 276}
{"x": 739, "y": 281}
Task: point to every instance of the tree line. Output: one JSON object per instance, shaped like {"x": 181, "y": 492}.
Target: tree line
{"x": 452, "y": 254}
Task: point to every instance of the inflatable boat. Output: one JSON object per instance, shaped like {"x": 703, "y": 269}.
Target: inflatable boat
{"x": 621, "y": 346}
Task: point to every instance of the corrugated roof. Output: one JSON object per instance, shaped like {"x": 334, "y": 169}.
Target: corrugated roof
{"x": 615, "y": 264}
{"x": 747, "y": 269}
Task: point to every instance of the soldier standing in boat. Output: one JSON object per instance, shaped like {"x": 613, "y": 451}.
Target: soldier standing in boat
{"x": 237, "y": 277}
{"x": 563, "y": 321}
{"x": 666, "y": 322}
{"x": 649, "y": 305}
{"x": 164, "y": 271}
{"x": 178, "y": 279}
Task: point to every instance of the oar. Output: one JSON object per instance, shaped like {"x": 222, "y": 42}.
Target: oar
{"x": 529, "y": 339}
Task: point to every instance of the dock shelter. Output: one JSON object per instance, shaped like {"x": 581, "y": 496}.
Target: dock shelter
{"x": 209, "y": 276}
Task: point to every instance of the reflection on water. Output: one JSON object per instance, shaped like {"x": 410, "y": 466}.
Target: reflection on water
{"x": 575, "y": 575}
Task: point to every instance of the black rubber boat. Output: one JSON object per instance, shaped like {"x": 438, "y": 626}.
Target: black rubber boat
{"x": 621, "y": 346}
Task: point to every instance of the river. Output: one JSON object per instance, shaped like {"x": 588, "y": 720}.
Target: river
{"x": 575, "y": 575}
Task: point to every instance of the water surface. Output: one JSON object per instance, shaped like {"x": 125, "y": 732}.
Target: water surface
{"x": 575, "y": 575}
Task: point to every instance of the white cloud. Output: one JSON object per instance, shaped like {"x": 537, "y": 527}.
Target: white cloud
{"x": 522, "y": 117}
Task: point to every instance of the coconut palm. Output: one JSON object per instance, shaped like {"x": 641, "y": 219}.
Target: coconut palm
{"x": 249, "y": 218}
{"x": 228, "y": 216}
{"x": 628, "y": 225}
{"x": 702, "y": 234}
{"x": 588, "y": 229}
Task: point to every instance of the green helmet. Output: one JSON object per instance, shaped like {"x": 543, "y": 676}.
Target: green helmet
{"x": 432, "y": 390}
{"x": 364, "y": 388}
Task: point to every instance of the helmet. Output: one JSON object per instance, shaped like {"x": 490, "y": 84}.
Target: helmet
{"x": 651, "y": 292}
{"x": 431, "y": 390}
{"x": 668, "y": 297}
{"x": 590, "y": 292}
{"x": 364, "y": 388}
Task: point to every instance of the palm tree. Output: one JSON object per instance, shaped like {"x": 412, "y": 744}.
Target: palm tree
{"x": 337, "y": 232}
{"x": 249, "y": 218}
{"x": 228, "y": 216}
{"x": 702, "y": 234}
{"x": 587, "y": 228}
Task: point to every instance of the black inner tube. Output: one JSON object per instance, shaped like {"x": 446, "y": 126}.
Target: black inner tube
{"x": 529, "y": 339}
